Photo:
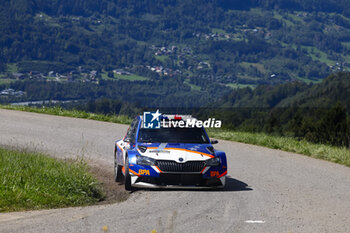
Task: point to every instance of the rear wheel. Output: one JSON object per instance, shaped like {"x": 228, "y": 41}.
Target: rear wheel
{"x": 117, "y": 171}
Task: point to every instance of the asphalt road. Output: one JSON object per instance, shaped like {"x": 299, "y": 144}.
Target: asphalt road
{"x": 267, "y": 190}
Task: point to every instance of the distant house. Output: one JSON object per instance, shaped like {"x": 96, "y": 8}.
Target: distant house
{"x": 8, "y": 91}
{"x": 93, "y": 74}
{"x": 203, "y": 64}
{"x": 11, "y": 92}
{"x": 121, "y": 72}
{"x": 51, "y": 74}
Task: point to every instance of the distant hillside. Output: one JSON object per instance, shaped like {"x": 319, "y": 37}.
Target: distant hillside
{"x": 333, "y": 89}
{"x": 235, "y": 43}
{"x": 318, "y": 113}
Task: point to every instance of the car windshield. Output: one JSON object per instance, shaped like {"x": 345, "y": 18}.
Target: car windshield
{"x": 173, "y": 135}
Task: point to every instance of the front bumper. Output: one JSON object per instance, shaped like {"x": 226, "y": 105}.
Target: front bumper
{"x": 178, "y": 180}
{"x": 170, "y": 174}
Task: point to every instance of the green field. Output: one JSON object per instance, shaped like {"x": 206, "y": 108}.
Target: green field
{"x": 306, "y": 80}
{"x": 12, "y": 68}
{"x": 218, "y": 31}
{"x": 282, "y": 18}
{"x": 258, "y": 66}
{"x": 295, "y": 17}
{"x": 131, "y": 77}
{"x": 193, "y": 87}
{"x": 6, "y": 81}
{"x": 318, "y": 55}
{"x": 58, "y": 111}
{"x": 240, "y": 86}
{"x": 162, "y": 58}
{"x": 346, "y": 44}
{"x": 34, "y": 181}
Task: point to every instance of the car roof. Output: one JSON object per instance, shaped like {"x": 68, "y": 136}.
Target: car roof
{"x": 175, "y": 117}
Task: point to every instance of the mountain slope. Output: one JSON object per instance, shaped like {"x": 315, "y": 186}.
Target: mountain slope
{"x": 333, "y": 89}
{"x": 230, "y": 42}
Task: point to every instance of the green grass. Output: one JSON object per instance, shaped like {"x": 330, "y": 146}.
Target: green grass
{"x": 104, "y": 75}
{"x": 218, "y": 31}
{"x": 306, "y": 80}
{"x": 58, "y": 111}
{"x": 320, "y": 151}
{"x": 318, "y": 55}
{"x": 281, "y": 18}
{"x": 6, "y": 81}
{"x": 12, "y": 68}
{"x": 162, "y": 58}
{"x": 193, "y": 87}
{"x": 347, "y": 58}
{"x": 346, "y": 44}
{"x": 33, "y": 181}
{"x": 314, "y": 53}
{"x": 258, "y": 66}
{"x": 238, "y": 85}
{"x": 131, "y": 77}
{"x": 295, "y": 17}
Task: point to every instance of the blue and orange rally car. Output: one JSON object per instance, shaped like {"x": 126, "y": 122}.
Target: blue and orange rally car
{"x": 168, "y": 156}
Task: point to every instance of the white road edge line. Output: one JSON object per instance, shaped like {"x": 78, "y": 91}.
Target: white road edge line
{"x": 255, "y": 221}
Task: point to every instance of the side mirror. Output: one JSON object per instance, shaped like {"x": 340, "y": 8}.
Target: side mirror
{"x": 213, "y": 141}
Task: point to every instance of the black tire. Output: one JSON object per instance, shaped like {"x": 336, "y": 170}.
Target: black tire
{"x": 118, "y": 175}
{"x": 127, "y": 178}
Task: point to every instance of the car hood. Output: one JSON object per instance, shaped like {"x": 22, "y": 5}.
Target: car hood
{"x": 179, "y": 152}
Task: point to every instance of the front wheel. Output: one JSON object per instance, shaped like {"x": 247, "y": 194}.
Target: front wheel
{"x": 127, "y": 177}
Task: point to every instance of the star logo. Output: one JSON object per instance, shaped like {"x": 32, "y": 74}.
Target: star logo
{"x": 151, "y": 120}
{"x": 155, "y": 115}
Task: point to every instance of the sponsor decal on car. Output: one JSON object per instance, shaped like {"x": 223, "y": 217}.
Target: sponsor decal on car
{"x": 144, "y": 172}
{"x": 214, "y": 173}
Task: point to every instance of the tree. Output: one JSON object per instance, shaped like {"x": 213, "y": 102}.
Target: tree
{"x": 333, "y": 127}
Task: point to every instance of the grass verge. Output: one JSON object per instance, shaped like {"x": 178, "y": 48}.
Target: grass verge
{"x": 34, "y": 181}
{"x": 58, "y": 111}
{"x": 320, "y": 151}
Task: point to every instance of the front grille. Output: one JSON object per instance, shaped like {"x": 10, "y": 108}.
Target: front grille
{"x": 181, "y": 179}
{"x": 172, "y": 166}
{"x": 165, "y": 179}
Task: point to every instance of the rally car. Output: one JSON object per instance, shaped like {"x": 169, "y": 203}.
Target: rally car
{"x": 168, "y": 156}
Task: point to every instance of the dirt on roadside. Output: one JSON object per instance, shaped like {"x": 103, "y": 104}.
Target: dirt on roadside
{"x": 114, "y": 191}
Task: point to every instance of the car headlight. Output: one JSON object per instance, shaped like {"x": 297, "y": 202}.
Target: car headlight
{"x": 143, "y": 160}
{"x": 213, "y": 162}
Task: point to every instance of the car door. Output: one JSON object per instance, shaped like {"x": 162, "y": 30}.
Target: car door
{"x": 128, "y": 142}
